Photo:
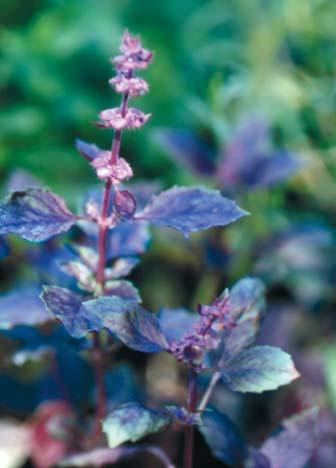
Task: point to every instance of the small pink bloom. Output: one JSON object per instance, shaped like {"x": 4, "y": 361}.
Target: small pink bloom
{"x": 112, "y": 118}
{"x": 134, "y": 86}
{"x": 117, "y": 172}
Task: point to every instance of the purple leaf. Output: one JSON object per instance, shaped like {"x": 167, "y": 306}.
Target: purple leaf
{"x": 223, "y": 438}
{"x": 128, "y": 239}
{"x": 189, "y": 209}
{"x": 138, "y": 329}
{"x": 123, "y": 289}
{"x": 79, "y": 316}
{"x": 35, "y": 214}
{"x": 247, "y": 304}
{"x": 176, "y": 322}
{"x": 294, "y": 442}
{"x": 132, "y": 421}
{"x": 187, "y": 149}
{"x": 22, "y": 307}
{"x": 89, "y": 150}
{"x": 258, "y": 369}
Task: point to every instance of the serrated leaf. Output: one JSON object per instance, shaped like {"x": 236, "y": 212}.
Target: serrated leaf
{"x": 132, "y": 421}
{"x": 223, "y": 438}
{"x": 22, "y": 306}
{"x": 258, "y": 369}
{"x": 35, "y": 214}
{"x": 190, "y": 209}
{"x": 79, "y": 316}
{"x": 294, "y": 442}
{"x": 138, "y": 329}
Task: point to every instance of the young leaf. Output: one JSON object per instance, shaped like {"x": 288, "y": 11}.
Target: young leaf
{"x": 35, "y": 214}
{"x": 223, "y": 438}
{"x": 22, "y": 307}
{"x": 79, "y": 316}
{"x": 294, "y": 442}
{"x": 138, "y": 329}
{"x": 258, "y": 369}
{"x": 132, "y": 421}
{"x": 189, "y": 209}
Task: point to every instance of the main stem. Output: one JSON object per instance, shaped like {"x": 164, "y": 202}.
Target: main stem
{"x": 98, "y": 355}
{"x": 189, "y": 430}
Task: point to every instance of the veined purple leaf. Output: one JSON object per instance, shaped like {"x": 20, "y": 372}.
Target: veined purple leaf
{"x": 190, "y": 209}
{"x": 187, "y": 149}
{"x": 89, "y": 150}
{"x": 22, "y": 306}
{"x": 138, "y": 329}
{"x": 258, "y": 369}
{"x": 176, "y": 322}
{"x": 123, "y": 289}
{"x": 79, "y": 316}
{"x": 35, "y": 214}
{"x": 223, "y": 438}
{"x": 132, "y": 421}
{"x": 294, "y": 442}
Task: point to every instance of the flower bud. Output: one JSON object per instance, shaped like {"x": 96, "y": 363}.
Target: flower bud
{"x": 124, "y": 204}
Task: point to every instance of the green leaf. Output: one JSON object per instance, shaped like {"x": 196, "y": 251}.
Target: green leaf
{"x": 132, "y": 421}
{"x": 258, "y": 369}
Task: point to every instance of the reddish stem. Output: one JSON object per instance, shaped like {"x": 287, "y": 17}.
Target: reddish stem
{"x": 189, "y": 430}
{"x": 98, "y": 355}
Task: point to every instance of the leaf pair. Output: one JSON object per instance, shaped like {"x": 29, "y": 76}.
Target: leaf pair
{"x": 37, "y": 214}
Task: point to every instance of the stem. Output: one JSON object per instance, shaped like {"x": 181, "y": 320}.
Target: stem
{"x": 98, "y": 355}
{"x": 208, "y": 392}
{"x": 117, "y": 134}
{"x": 189, "y": 430}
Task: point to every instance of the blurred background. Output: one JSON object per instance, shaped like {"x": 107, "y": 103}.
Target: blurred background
{"x": 242, "y": 96}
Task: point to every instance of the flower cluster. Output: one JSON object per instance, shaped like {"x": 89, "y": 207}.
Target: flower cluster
{"x": 108, "y": 165}
{"x": 205, "y": 336}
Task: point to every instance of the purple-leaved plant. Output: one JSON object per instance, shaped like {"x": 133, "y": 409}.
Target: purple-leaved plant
{"x": 217, "y": 341}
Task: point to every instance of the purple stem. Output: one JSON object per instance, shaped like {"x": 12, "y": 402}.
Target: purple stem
{"x": 189, "y": 430}
{"x": 98, "y": 355}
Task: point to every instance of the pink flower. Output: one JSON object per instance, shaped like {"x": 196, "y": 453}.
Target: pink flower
{"x": 134, "y": 86}
{"x": 117, "y": 172}
{"x": 134, "y": 56}
{"x": 112, "y": 118}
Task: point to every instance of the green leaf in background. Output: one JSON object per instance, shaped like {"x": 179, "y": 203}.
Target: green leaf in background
{"x": 132, "y": 421}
